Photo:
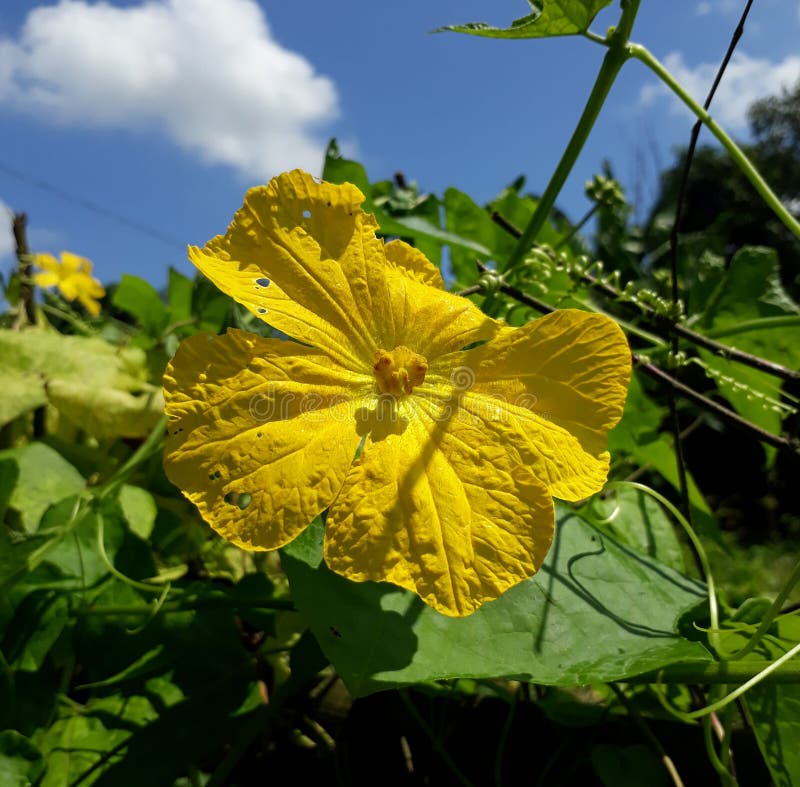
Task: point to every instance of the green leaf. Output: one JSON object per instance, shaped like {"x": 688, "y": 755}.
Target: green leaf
{"x": 77, "y": 554}
{"x": 338, "y": 169}
{"x": 591, "y": 589}
{"x": 140, "y": 299}
{"x": 638, "y": 435}
{"x": 549, "y": 18}
{"x": 107, "y": 412}
{"x": 21, "y": 763}
{"x": 179, "y": 296}
{"x": 100, "y": 388}
{"x": 189, "y": 731}
{"x": 139, "y": 510}
{"x": 9, "y": 473}
{"x": 749, "y": 310}
{"x": 775, "y": 711}
{"x": 421, "y": 226}
{"x": 466, "y": 218}
{"x": 14, "y": 555}
{"x": 37, "y": 623}
{"x": 44, "y": 477}
{"x": 640, "y": 521}
{"x": 77, "y": 747}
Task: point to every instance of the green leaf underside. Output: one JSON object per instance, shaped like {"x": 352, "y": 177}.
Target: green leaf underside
{"x": 549, "y": 18}
{"x": 751, "y": 293}
{"x": 775, "y": 710}
{"x": 596, "y": 611}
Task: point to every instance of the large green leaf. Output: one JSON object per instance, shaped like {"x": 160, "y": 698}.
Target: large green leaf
{"x": 596, "y": 611}
{"x": 100, "y": 388}
{"x": 636, "y": 519}
{"x": 637, "y": 434}
{"x": 20, "y": 761}
{"x": 45, "y": 477}
{"x": 37, "y": 623}
{"x": 548, "y": 18}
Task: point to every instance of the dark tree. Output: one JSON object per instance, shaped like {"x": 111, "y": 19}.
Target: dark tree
{"x": 721, "y": 204}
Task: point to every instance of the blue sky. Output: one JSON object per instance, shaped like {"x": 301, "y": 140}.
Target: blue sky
{"x": 162, "y": 113}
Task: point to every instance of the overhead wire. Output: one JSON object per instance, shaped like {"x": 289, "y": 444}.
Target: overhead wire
{"x": 89, "y": 205}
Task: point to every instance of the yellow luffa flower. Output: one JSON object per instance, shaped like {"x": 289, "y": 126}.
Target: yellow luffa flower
{"x": 462, "y": 449}
{"x": 72, "y": 276}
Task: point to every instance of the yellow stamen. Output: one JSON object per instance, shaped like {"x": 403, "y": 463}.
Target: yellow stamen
{"x": 399, "y": 371}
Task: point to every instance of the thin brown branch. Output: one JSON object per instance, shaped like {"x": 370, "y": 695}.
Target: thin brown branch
{"x": 734, "y": 419}
{"x": 729, "y": 416}
{"x": 27, "y": 311}
{"x": 19, "y": 225}
{"x": 722, "y": 350}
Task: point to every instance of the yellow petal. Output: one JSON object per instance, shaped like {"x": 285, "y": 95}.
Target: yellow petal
{"x": 262, "y": 433}
{"x": 91, "y": 305}
{"x": 431, "y": 321}
{"x": 434, "y": 506}
{"x": 69, "y": 287}
{"x": 303, "y": 256}
{"x": 46, "y": 279}
{"x": 49, "y": 263}
{"x": 72, "y": 263}
{"x": 551, "y": 390}
{"x": 413, "y": 263}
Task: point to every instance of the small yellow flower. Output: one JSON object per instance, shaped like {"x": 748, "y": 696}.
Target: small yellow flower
{"x": 72, "y": 276}
{"x": 462, "y": 449}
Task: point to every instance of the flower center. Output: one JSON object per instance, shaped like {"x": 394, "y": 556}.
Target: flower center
{"x": 399, "y": 370}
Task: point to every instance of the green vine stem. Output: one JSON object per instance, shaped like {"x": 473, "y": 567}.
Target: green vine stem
{"x": 771, "y": 614}
{"x": 725, "y": 672}
{"x": 642, "y": 54}
{"x": 618, "y": 53}
{"x": 736, "y": 693}
{"x": 713, "y": 609}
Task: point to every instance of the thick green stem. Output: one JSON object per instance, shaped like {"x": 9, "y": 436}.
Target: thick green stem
{"x": 733, "y": 673}
{"x": 617, "y": 54}
{"x": 745, "y": 165}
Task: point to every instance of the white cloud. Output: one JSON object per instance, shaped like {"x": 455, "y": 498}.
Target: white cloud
{"x": 6, "y": 235}
{"x": 703, "y": 9}
{"x": 746, "y": 79}
{"x": 205, "y": 72}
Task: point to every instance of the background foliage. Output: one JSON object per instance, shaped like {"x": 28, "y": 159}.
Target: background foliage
{"x": 136, "y": 647}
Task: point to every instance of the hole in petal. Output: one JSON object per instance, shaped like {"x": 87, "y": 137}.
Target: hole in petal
{"x": 306, "y": 214}
{"x": 262, "y": 282}
{"x": 261, "y": 311}
{"x": 240, "y": 499}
